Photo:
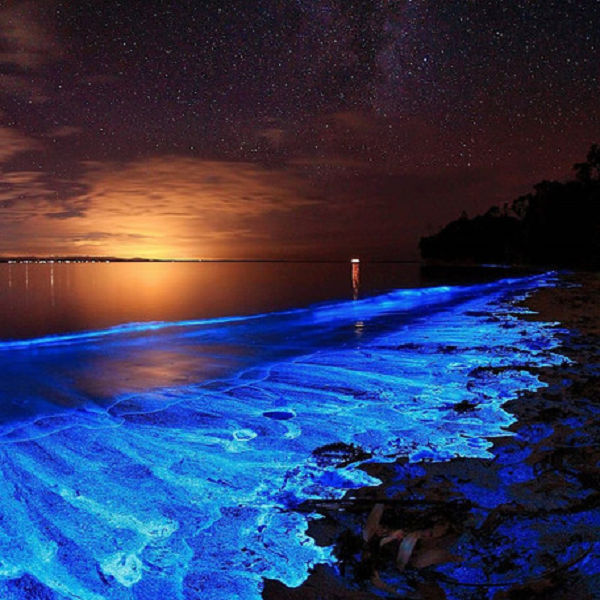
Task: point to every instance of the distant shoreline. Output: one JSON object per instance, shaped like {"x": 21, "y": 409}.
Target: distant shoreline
{"x": 111, "y": 259}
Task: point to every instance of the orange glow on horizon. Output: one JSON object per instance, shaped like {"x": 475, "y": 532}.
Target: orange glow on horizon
{"x": 158, "y": 208}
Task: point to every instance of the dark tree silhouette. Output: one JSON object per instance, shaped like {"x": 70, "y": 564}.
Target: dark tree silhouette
{"x": 558, "y": 224}
{"x": 590, "y": 170}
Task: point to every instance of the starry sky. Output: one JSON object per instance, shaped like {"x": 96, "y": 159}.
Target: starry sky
{"x": 282, "y": 128}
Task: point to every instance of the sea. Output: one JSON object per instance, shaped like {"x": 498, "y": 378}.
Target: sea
{"x": 161, "y": 424}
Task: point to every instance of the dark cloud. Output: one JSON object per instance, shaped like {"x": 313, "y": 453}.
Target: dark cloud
{"x": 27, "y": 40}
{"x": 12, "y": 143}
{"x": 64, "y": 131}
{"x": 66, "y": 214}
{"x": 101, "y": 236}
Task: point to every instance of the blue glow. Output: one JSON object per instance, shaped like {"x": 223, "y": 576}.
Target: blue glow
{"x": 126, "y": 328}
{"x": 125, "y": 481}
{"x": 394, "y": 301}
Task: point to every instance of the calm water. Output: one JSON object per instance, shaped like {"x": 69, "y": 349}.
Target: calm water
{"x": 165, "y": 459}
{"x": 41, "y": 299}
{"x": 38, "y": 299}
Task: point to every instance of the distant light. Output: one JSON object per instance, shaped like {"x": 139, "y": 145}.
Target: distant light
{"x": 355, "y": 260}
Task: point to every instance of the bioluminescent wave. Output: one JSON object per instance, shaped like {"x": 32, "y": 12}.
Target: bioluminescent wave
{"x": 166, "y": 460}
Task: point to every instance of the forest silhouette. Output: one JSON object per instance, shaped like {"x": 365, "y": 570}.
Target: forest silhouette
{"x": 556, "y": 225}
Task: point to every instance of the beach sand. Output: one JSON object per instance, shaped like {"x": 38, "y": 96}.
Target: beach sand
{"x": 522, "y": 524}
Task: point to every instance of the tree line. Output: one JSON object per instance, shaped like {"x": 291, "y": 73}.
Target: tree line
{"x": 556, "y": 225}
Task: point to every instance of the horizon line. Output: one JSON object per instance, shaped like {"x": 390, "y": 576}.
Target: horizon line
{"x": 110, "y": 259}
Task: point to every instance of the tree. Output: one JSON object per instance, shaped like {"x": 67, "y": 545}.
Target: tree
{"x": 589, "y": 171}
{"x": 557, "y": 224}
{"x": 521, "y": 205}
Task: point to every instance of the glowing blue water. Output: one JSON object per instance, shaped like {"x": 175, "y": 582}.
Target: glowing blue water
{"x": 165, "y": 460}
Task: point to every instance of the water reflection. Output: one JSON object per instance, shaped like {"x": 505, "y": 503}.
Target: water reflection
{"x": 359, "y": 328}
{"x": 52, "y": 296}
{"x": 41, "y": 299}
{"x": 355, "y": 278}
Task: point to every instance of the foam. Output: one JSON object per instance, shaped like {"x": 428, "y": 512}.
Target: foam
{"x": 188, "y": 489}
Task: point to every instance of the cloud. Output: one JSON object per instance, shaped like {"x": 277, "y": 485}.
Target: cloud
{"x": 12, "y": 142}
{"x": 357, "y": 121}
{"x": 24, "y": 86}
{"x": 66, "y": 214}
{"x": 189, "y": 206}
{"x": 359, "y": 141}
{"x": 102, "y": 236}
{"x": 22, "y": 195}
{"x": 194, "y": 188}
{"x": 25, "y": 37}
{"x": 156, "y": 207}
{"x": 27, "y": 45}
{"x": 30, "y": 195}
{"x": 26, "y": 194}
{"x": 64, "y": 131}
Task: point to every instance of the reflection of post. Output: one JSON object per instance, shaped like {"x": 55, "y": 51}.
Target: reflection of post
{"x": 355, "y": 278}
{"x": 10, "y": 285}
{"x": 52, "y": 298}
{"x": 26, "y": 284}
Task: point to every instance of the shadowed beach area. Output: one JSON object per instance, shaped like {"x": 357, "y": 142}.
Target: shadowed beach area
{"x": 524, "y": 523}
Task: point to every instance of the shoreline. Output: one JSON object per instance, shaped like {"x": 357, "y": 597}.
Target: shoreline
{"x": 524, "y": 523}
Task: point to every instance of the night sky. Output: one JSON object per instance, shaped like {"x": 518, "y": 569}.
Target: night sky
{"x": 282, "y": 128}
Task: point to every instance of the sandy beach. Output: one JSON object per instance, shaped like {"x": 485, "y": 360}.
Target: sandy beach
{"x": 522, "y": 524}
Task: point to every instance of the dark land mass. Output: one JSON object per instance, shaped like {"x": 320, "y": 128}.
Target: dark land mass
{"x": 557, "y": 225}
{"x": 524, "y": 524}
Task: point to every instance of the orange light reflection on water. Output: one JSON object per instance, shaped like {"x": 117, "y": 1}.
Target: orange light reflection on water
{"x": 37, "y": 299}
{"x": 355, "y": 280}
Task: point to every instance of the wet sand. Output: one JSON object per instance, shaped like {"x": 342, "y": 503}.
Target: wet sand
{"x": 523, "y": 524}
